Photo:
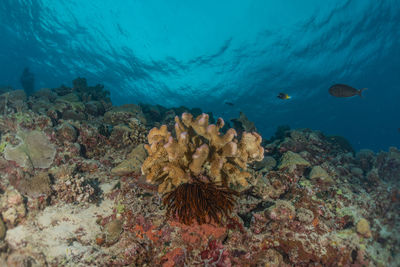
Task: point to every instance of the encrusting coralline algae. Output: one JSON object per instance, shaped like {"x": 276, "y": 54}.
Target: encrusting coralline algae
{"x": 76, "y": 195}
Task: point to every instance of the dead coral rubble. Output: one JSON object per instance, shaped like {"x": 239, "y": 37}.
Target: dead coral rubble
{"x": 74, "y": 189}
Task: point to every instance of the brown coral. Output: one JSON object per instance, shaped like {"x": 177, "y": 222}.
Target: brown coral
{"x": 199, "y": 148}
{"x": 128, "y": 136}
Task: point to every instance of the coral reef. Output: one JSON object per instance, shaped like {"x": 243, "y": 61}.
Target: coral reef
{"x": 90, "y": 93}
{"x": 282, "y": 211}
{"x": 292, "y": 160}
{"x": 242, "y": 124}
{"x": 317, "y": 172}
{"x": 132, "y": 163}
{"x": 34, "y": 187}
{"x": 310, "y": 202}
{"x": 128, "y": 136}
{"x": 156, "y": 115}
{"x": 12, "y": 102}
{"x": 266, "y": 165}
{"x": 92, "y": 142}
{"x": 123, "y": 114}
{"x": 66, "y": 132}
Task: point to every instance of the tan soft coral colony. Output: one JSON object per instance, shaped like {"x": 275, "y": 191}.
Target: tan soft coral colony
{"x": 199, "y": 153}
{"x": 199, "y": 148}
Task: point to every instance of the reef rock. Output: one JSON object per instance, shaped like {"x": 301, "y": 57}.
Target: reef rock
{"x": 123, "y": 114}
{"x": 356, "y": 171}
{"x": 123, "y": 136}
{"x": 46, "y": 93}
{"x": 2, "y": 229}
{"x": 113, "y": 230}
{"x": 291, "y": 160}
{"x": 69, "y": 98}
{"x": 12, "y": 101}
{"x": 319, "y": 172}
{"x": 267, "y": 164}
{"x": 244, "y": 124}
{"x": 305, "y": 215}
{"x": 38, "y": 185}
{"x": 74, "y": 189}
{"x": 71, "y": 107}
{"x": 282, "y": 211}
{"x": 66, "y": 132}
{"x": 363, "y": 228}
{"x": 133, "y": 162}
{"x": 88, "y": 93}
{"x": 388, "y": 164}
{"x": 15, "y": 96}
{"x": 12, "y": 207}
{"x": 94, "y": 108}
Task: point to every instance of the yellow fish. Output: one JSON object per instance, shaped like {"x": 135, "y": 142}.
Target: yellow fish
{"x": 284, "y": 96}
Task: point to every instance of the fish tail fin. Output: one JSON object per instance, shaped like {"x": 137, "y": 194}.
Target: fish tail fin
{"x": 360, "y": 91}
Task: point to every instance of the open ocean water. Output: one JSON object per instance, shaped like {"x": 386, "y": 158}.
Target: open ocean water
{"x": 202, "y": 54}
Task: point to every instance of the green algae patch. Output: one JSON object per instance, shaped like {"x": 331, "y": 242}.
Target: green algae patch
{"x": 3, "y": 146}
{"x": 120, "y": 208}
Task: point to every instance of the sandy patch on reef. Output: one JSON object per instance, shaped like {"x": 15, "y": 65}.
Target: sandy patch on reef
{"x": 67, "y": 231}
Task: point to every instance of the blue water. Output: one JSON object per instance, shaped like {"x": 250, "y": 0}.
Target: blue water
{"x": 202, "y": 53}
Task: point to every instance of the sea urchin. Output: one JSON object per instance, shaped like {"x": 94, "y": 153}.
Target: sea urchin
{"x": 205, "y": 202}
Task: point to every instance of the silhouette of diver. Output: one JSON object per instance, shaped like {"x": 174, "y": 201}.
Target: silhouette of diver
{"x": 28, "y": 81}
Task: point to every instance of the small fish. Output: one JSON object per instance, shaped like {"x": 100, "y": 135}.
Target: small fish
{"x": 342, "y": 90}
{"x": 229, "y": 103}
{"x": 284, "y": 96}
